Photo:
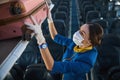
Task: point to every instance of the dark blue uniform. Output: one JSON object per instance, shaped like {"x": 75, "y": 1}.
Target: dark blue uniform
{"x": 74, "y": 65}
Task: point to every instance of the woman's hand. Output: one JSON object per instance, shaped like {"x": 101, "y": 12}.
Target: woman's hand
{"x": 37, "y": 30}
{"x": 52, "y": 28}
{"x": 49, "y": 16}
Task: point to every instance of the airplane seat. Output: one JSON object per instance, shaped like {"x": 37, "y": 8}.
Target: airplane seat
{"x": 65, "y": 4}
{"x": 114, "y": 73}
{"x": 9, "y": 77}
{"x": 109, "y": 54}
{"x": 111, "y": 14}
{"x": 61, "y": 26}
{"x": 103, "y": 23}
{"x": 37, "y": 72}
{"x": 64, "y": 9}
{"x": 61, "y": 15}
{"x": 114, "y": 29}
{"x": 83, "y": 6}
{"x": 110, "y": 21}
{"x": 65, "y": 1}
{"x": 31, "y": 55}
{"x": 55, "y": 49}
{"x": 85, "y": 3}
{"x": 54, "y": 8}
{"x": 17, "y": 72}
{"x": 56, "y": 3}
{"x": 81, "y": 1}
{"x": 103, "y": 9}
{"x": 92, "y": 15}
{"x": 86, "y": 9}
{"x": 45, "y": 28}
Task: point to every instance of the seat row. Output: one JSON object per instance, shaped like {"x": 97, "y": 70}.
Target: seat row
{"x": 99, "y": 11}
{"x": 92, "y": 11}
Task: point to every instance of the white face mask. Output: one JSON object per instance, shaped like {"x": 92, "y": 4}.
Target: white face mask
{"x": 77, "y": 38}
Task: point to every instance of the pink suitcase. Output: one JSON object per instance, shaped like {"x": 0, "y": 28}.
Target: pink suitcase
{"x": 14, "y": 13}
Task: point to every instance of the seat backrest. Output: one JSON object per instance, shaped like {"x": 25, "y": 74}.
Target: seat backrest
{"x": 111, "y": 14}
{"x": 60, "y": 15}
{"x": 114, "y": 73}
{"x": 9, "y": 77}
{"x": 109, "y": 53}
{"x": 111, "y": 40}
{"x": 103, "y": 23}
{"x": 81, "y": 1}
{"x": 56, "y": 50}
{"x": 64, "y": 4}
{"x": 115, "y": 27}
{"x": 30, "y": 54}
{"x": 92, "y": 15}
{"x": 64, "y": 9}
{"x": 37, "y": 72}
{"x": 60, "y": 26}
{"x": 17, "y": 72}
{"x": 86, "y": 9}
{"x": 84, "y": 4}
{"x": 45, "y": 28}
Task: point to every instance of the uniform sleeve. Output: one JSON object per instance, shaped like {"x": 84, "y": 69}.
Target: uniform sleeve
{"x": 62, "y": 40}
{"x": 74, "y": 67}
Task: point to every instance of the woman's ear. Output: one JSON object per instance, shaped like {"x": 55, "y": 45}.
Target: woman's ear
{"x": 89, "y": 42}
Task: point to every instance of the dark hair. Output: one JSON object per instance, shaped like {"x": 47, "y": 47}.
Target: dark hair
{"x": 95, "y": 33}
